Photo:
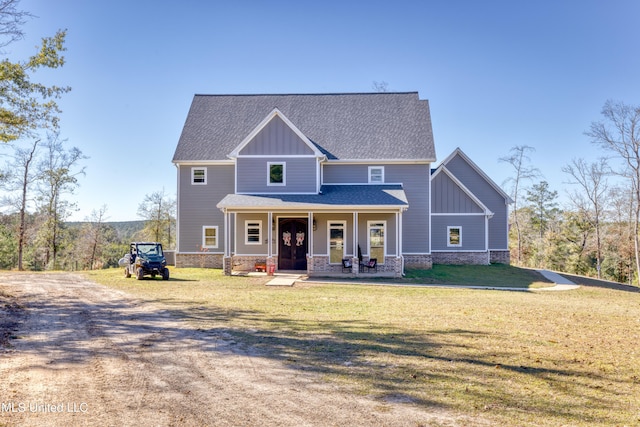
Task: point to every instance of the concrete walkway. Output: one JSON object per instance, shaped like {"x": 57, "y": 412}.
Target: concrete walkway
{"x": 561, "y": 284}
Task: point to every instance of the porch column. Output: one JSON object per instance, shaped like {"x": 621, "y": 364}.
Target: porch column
{"x": 310, "y": 264}
{"x": 355, "y": 269}
{"x": 270, "y": 260}
{"x": 227, "y": 264}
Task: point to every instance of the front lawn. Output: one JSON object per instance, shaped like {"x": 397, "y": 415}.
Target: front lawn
{"x": 501, "y": 357}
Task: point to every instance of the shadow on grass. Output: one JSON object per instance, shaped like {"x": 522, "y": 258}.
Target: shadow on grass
{"x": 394, "y": 365}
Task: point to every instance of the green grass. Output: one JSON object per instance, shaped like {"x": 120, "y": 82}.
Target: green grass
{"x": 501, "y": 357}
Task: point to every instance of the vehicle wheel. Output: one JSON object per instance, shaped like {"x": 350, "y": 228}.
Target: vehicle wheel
{"x": 153, "y": 275}
{"x": 165, "y": 274}
{"x": 139, "y": 273}
{"x": 127, "y": 274}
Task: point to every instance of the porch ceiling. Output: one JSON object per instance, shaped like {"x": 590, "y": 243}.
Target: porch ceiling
{"x": 352, "y": 197}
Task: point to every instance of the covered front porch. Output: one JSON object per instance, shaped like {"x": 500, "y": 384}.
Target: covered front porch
{"x": 344, "y": 231}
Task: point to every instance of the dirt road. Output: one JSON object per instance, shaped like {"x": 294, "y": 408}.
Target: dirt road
{"x": 76, "y": 353}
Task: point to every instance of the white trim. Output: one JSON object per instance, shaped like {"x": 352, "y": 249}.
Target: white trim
{"x": 200, "y": 253}
{"x": 284, "y": 174}
{"x": 364, "y": 183}
{"x": 453, "y": 251}
{"x": 277, "y": 156}
{"x": 384, "y": 249}
{"x": 198, "y": 168}
{"x": 204, "y": 237}
{"x": 416, "y": 253}
{"x": 246, "y": 231}
{"x": 275, "y": 193}
{"x": 275, "y": 112}
{"x": 380, "y": 161}
{"x": 344, "y": 239}
{"x": 370, "y": 169}
{"x": 203, "y": 162}
{"x": 451, "y": 245}
{"x": 250, "y": 254}
{"x": 460, "y": 214}
{"x": 478, "y": 170}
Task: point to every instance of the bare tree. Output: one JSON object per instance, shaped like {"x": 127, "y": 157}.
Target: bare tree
{"x": 591, "y": 198}
{"x": 94, "y": 233}
{"x": 11, "y": 21}
{"x": 619, "y": 134}
{"x": 17, "y": 182}
{"x": 158, "y": 209}
{"x": 519, "y": 160}
{"x": 57, "y": 177}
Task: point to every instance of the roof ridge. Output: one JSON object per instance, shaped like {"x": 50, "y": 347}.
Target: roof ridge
{"x": 306, "y": 94}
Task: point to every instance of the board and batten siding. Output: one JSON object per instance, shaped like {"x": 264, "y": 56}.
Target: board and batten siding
{"x": 472, "y": 236}
{"x": 197, "y": 205}
{"x": 448, "y": 197}
{"x": 276, "y": 138}
{"x": 253, "y": 175}
{"x": 494, "y": 201}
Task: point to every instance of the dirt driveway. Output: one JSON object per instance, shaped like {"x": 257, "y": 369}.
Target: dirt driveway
{"x": 73, "y": 353}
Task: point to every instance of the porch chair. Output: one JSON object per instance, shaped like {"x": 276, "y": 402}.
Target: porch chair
{"x": 372, "y": 264}
{"x": 346, "y": 265}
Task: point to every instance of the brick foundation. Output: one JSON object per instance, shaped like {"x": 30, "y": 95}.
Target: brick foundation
{"x": 461, "y": 258}
{"x": 500, "y": 257}
{"x": 200, "y": 260}
{"x": 423, "y": 262}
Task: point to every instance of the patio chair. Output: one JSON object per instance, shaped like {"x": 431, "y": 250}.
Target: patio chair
{"x": 346, "y": 265}
{"x": 372, "y": 264}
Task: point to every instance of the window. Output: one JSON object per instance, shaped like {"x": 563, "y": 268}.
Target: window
{"x": 377, "y": 240}
{"x": 276, "y": 173}
{"x": 253, "y": 232}
{"x": 198, "y": 176}
{"x": 454, "y": 236}
{"x": 376, "y": 174}
{"x": 209, "y": 236}
{"x": 336, "y": 242}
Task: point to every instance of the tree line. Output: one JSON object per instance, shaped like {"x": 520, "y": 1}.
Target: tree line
{"x": 40, "y": 171}
{"x": 597, "y": 233}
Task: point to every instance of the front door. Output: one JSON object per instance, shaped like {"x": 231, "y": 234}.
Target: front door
{"x": 293, "y": 238}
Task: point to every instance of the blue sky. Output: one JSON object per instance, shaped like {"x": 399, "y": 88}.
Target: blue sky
{"x": 496, "y": 73}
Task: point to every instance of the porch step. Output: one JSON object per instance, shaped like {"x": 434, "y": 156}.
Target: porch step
{"x": 283, "y": 280}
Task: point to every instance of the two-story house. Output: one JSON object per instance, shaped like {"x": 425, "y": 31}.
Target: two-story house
{"x": 306, "y": 181}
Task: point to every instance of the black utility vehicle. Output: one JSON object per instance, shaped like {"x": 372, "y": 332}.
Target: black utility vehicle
{"x": 145, "y": 259}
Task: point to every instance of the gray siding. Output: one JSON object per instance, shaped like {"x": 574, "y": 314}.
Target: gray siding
{"x": 240, "y": 232}
{"x": 448, "y": 197}
{"x": 415, "y": 182}
{"x": 390, "y": 219}
{"x": 276, "y": 138}
{"x": 300, "y": 175}
{"x": 197, "y": 206}
{"x": 346, "y": 174}
{"x": 320, "y": 237}
{"x": 483, "y": 190}
{"x": 473, "y": 232}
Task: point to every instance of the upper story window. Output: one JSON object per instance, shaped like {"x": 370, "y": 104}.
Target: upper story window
{"x": 376, "y": 174}
{"x": 198, "y": 176}
{"x": 277, "y": 173}
{"x": 454, "y": 236}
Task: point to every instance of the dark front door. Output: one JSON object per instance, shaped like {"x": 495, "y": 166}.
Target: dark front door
{"x": 292, "y": 249}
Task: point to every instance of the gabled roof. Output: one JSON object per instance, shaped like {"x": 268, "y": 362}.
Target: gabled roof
{"x": 275, "y": 113}
{"x": 459, "y": 152}
{"x": 330, "y": 197}
{"x": 350, "y": 126}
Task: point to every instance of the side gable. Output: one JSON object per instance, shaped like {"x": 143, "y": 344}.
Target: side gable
{"x": 471, "y": 175}
{"x": 450, "y": 196}
{"x": 276, "y": 135}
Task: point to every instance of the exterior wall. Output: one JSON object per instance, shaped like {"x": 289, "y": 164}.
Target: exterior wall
{"x": 483, "y": 190}
{"x": 300, "y": 175}
{"x": 390, "y": 247}
{"x": 418, "y": 261}
{"x": 240, "y": 246}
{"x": 461, "y": 258}
{"x": 201, "y": 260}
{"x": 197, "y": 206}
{"x": 473, "y": 232}
{"x": 415, "y": 182}
{"x": 447, "y": 197}
{"x": 276, "y": 138}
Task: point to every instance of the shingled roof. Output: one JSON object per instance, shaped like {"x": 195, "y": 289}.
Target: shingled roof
{"x": 349, "y": 126}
